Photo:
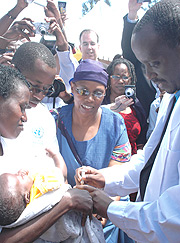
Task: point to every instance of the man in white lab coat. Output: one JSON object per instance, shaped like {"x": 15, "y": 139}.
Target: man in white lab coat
{"x": 155, "y": 216}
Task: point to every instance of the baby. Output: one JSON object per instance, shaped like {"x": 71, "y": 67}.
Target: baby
{"x": 25, "y": 195}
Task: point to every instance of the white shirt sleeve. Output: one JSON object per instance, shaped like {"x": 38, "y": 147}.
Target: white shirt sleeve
{"x": 157, "y": 221}
{"x": 148, "y": 221}
{"x": 68, "y": 65}
{"x": 124, "y": 179}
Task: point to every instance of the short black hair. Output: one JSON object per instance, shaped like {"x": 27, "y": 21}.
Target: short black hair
{"x": 26, "y": 55}
{"x": 164, "y": 16}
{"x": 88, "y": 31}
{"x": 10, "y": 79}
{"x": 11, "y": 204}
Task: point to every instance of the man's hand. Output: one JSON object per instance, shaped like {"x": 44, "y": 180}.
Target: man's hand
{"x": 100, "y": 200}
{"x": 92, "y": 177}
{"x": 22, "y": 4}
{"x": 79, "y": 200}
{"x": 55, "y": 29}
{"x": 133, "y": 9}
{"x": 21, "y": 29}
{"x": 6, "y": 58}
{"x": 51, "y": 10}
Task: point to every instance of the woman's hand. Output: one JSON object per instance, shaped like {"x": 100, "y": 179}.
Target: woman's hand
{"x": 79, "y": 200}
{"x": 121, "y": 103}
{"x": 89, "y": 176}
{"x": 100, "y": 200}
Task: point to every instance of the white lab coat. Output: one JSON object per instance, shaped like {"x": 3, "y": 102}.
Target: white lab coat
{"x": 157, "y": 218}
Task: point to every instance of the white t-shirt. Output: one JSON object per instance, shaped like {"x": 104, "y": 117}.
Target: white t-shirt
{"x": 27, "y": 151}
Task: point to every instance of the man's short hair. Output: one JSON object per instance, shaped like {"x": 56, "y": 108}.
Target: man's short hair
{"x": 164, "y": 16}
{"x": 88, "y": 31}
{"x": 27, "y": 54}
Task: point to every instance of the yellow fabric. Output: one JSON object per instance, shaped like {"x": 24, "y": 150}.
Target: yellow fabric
{"x": 45, "y": 181}
{"x": 78, "y": 55}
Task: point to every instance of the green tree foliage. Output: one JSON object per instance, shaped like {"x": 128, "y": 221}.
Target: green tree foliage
{"x": 88, "y": 5}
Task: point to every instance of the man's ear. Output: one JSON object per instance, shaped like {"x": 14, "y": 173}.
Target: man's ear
{"x": 27, "y": 197}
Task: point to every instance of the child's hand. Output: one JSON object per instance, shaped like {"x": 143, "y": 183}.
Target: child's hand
{"x": 50, "y": 153}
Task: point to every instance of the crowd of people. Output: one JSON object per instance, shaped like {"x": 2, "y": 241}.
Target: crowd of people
{"x": 89, "y": 152}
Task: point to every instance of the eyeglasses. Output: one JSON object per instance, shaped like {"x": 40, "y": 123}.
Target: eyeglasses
{"x": 117, "y": 77}
{"x": 85, "y": 92}
{"x": 46, "y": 91}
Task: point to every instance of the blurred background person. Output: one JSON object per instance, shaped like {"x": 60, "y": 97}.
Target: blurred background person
{"x": 144, "y": 89}
{"x": 121, "y": 73}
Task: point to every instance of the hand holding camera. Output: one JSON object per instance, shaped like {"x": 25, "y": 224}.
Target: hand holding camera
{"x": 121, "y": 103}
{"x": 21, "y": 29}
{"x": 41, "y": 28}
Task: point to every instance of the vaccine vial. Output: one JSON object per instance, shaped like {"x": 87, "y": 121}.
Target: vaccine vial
{"x": 83, "y": 172}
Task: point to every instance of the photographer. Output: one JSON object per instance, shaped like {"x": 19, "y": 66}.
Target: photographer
{"x": 19, "y": 30}
{"x": 144, "y": 89}
{"x": 8, "y": 18}
{"x": 121, "y": 73}
{"x": 64, "y": 56}
{"x": 23, "y": 29}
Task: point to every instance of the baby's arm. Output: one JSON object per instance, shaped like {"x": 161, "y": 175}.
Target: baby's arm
{"x": 58, "y": 161}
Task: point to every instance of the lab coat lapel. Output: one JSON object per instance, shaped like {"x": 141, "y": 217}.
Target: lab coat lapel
{"x": 154, "y": 185}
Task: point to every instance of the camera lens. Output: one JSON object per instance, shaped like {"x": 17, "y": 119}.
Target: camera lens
{"x": 129, "y": 92}
{"x": 42, "y": 30}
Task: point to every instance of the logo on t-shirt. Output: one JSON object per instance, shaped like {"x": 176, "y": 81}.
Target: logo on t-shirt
{"x": 38, "y": 132}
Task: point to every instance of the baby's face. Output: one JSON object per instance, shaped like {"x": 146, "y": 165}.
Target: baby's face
{"x": 25, "y": 181}
{"x": 20, "y": 182}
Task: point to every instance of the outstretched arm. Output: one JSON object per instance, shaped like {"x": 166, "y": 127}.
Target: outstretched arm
{"x": 73, "y": 199}
{"x": 58, "y": 161}
{"x": 19, "y": 30}
{"x": 133, "y": 7}
{"x": 51, "y": 10}
{"x": 8, "y": 18}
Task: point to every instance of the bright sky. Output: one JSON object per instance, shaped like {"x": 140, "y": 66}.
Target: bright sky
{"x": 110, "y": 20}
{"x": 74, "y": 8}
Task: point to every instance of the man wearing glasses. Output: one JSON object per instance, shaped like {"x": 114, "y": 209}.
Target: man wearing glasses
{"x": 38, "y": 65}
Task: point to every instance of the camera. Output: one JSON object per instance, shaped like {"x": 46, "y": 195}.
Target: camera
{"x": 130, "y": 92}
{"x": 62, "y": 7}
{"x": 41, "y": 28}
{"x": 141, "y": 1}
{"x": 59, "y": 86}
{"x": 49, "y": 41}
